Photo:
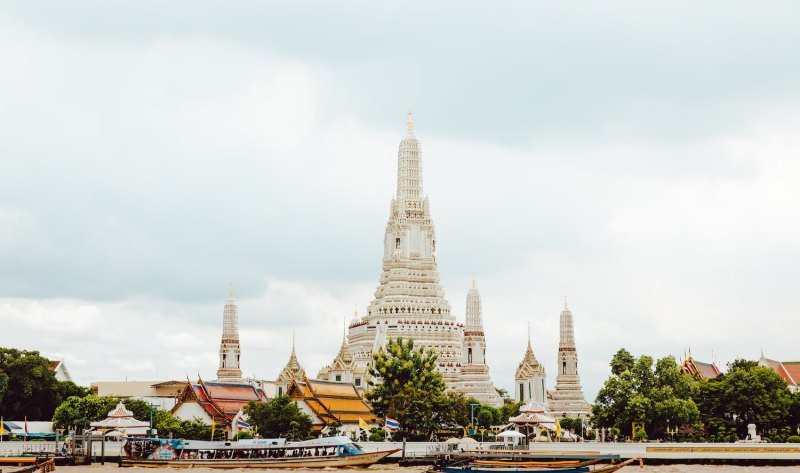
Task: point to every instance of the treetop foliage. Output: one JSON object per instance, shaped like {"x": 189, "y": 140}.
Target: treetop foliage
{"x": 674, "y": 406}
{"x": 28, "y": 388}
{"x": 279, "y": 417}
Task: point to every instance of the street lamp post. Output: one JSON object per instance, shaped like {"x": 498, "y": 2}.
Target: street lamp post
{"x": 152, "y": 408}
{"x": 472, "y": 418}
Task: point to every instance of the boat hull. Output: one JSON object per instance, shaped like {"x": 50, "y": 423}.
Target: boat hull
{"x": 476, "y": 469}
{"x": 361, "y": 459}
{"x": 502, "y": 469}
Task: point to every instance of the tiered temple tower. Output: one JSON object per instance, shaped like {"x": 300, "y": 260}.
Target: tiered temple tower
{"x": 409, "y": 301}
{"x": 229, "y": 349}
{"x": 292, "y": 370}
{"x": 530, "y": 378}
{"x": 475, "y": 378}
{"x": 343, "y": 366}
{"x": 567, "y": 400}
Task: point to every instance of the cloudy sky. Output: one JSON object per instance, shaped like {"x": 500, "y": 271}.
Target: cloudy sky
{"x": 640, "y": 158}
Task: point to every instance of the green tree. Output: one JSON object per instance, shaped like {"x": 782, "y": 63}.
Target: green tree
{"x": 67, "y": 389}
{"x": 3, "y": 386}
{"x": 653, "y": 394}
{"x": 509, "y": 409}
{"x": 30, "y": 386}
{"x": 407, "y": 387}
{"x": 622, "y": 361}
{"x": 78, "y": 412}
{"x": 278, "y": 417}
{"x": 746, "y": 394}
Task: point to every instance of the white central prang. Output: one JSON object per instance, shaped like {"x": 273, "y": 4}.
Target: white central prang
{"x": 409, "y": 301}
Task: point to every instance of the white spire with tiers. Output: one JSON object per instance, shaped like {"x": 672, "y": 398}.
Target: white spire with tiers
{"x": 567, "y": 399}
{"x": 229, "y": 349}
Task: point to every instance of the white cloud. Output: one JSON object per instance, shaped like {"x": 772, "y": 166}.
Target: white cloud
{"x": 149, "y": 170}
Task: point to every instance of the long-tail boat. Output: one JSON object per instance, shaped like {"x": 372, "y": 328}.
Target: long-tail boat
{"x": 529, "y": 462}
{"x": 328, "y": 452}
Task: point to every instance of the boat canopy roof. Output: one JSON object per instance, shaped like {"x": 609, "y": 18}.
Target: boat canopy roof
{"x": 248, "y": 444}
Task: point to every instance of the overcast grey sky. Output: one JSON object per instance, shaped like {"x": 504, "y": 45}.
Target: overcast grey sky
{"x": 640, "y": 158}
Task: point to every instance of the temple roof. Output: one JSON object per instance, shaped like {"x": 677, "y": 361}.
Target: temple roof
{"x": 700, "y": 369}
{"x": 292, "y": 370}
{"x": 529, "y": 363}
{"x": 332, "y": 401}
{"x": 221, "y": 401}
{"x": 788, "y": 370}
{"x": 120, "y": 418}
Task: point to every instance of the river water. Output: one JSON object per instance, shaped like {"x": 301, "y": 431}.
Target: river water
{"x": 394, "y": 468}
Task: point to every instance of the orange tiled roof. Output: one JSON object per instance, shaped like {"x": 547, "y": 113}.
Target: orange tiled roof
{"x": 793, "y": 369}
{"x": 221, "y": 401}
{"x": 700, "y": 369}
{"x": 785, "y": 370}
{"x": 332, "y": 401}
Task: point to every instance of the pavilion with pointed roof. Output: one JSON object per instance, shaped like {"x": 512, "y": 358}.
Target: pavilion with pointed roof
{"x": 120, "y": 421}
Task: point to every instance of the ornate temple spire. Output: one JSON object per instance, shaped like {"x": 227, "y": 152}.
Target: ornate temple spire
{"x": 567, "y": 332}
{"x": 567, "y": 399}
{"x": 409, "y": 166}
{"x": 229, "y": 349}
{"x": 293, "y": 369}
{"x": 474, "y": 310}
{"x": 529, "y": 357}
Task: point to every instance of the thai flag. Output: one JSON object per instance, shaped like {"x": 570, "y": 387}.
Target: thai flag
{"x": 242, "y": 424}
{"x": 392, "y": 424}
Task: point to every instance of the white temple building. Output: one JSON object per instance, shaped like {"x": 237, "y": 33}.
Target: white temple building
{"x": 530, "y": 379}
{"x": 409, "y": 302}
{"x": 567, "y": 400}
{"x": 229, "y": 350}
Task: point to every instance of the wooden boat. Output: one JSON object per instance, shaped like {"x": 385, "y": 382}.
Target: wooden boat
{"x": 464, "y": 465}
{"x": 542, "y": 463}
{"x": 329, "y": 452}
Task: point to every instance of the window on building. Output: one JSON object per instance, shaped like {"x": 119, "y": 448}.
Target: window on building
{"x": 469, "y": 355}
{"x": 280, "y": 391}
{"x": 358, "y": 381}
{"x": 563, "y": 367}
{"x": 397, "y": 243}
{"x": 338, "y": 377}
{"x": 521, "y": 392}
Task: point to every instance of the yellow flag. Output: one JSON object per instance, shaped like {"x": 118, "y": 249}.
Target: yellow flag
{"x": 213, "y": 424}
{"x": 558, "y": 429}
{"x": 363, "y": 424}
{"x": 2, "y": 427}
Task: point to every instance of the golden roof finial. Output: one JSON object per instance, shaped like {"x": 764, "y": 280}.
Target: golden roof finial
{"x": 230, "y": 291}
{"x": 410, "y": 124}
{"x": 529, "y": 333}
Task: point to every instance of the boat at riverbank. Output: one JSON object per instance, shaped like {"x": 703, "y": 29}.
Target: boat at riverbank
{"x": 328, "y": 452}
{"x": 488, "y": 461}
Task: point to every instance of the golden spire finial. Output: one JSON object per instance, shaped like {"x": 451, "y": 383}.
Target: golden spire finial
{"x": 410, "y": 123}
{"x": 529, "y": 333}
{"x": 230, "y": 291}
